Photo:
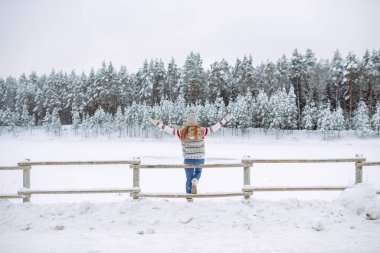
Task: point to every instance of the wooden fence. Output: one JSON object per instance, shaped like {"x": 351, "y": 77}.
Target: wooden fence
{"x": 246, "y": 164}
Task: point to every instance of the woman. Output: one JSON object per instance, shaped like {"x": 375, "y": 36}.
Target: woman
{"x": 193, "y": 149}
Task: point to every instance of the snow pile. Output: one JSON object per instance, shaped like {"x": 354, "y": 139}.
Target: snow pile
{"x": 229, "y": 225}
{"x": 361, "y": 199}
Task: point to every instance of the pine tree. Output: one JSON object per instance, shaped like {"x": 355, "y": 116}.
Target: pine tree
{"x": 46, "y": 122}
{"x": 97, "y": 120}
{"x": 86, "y": 124}
{"x": 297, "y": 77}
{"x": 283, "y": 72}
{"x": 242, "y": 111}
{"x": 310, "y": 75}
{"x": 271, "y": 83}
{"x": 172, "y": 83}
{"x": 261, "y": 117}
{"x": 218, "y": 80}
{"x": 76, "y": 120}
{"x": 55, "y": 124}
{"x": 375, "y": 121}
{"x": 10, "y": 120}
{"x": 193, "y": 79}
{"x": 361, "y": 121}
{"x": 9, "y": 98}
{"x": 309, "y": 116}
{"x": 276, "y": 106}
{"x": 120, "y": 121}
{"x": 124, "y": 87}
{"x": 75, "y": 94}
{"x": 220, "y": 108}
{"x": 27, "y": 120}
{"x": 25, "y": 95}
{"x": 180, "y": 111}
{"x": 351, "y": 69}
{"x": 291, "y": 110}
{"x": 108, "y": 124}
{"x": 372, "y": 88}
{"x": 334, "y": 87}
{"x": 338, "y": 122}
{"x": 158, "y": 75}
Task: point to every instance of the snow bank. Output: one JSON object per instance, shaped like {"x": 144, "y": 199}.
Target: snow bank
{"x": 230, "y": 225}
{"x": 361, "y": 199}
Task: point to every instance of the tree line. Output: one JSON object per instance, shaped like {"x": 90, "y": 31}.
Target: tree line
{"x": 341, "y": 84}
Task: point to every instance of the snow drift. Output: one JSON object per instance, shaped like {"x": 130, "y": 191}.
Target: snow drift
{"x": 231, "y": 225}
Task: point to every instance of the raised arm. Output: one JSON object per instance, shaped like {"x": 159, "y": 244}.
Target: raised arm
{"x": 165, "y": 128}
{"x": 217, "y": 126}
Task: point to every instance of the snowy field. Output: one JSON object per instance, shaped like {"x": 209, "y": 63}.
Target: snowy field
{"x": 268, "y": 222}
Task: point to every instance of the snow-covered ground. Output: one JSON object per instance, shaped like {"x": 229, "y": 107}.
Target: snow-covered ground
{"x": 269, "y": 222}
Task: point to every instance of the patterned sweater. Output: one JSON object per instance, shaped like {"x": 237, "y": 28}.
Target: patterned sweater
{"x": 193, "y": 148}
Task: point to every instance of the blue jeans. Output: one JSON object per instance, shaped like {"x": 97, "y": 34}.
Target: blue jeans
{"x": 192, "y": 172}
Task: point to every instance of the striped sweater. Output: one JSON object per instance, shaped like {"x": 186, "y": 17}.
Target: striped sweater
{"x": 193, "y": 148}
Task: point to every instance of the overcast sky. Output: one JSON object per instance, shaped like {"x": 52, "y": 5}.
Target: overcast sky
{"x": 39, "y": 35}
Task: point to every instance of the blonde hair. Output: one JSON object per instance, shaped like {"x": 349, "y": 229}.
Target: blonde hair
{"x": 185, "y": 132}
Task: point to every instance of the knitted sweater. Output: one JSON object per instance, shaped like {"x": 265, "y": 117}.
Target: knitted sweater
{"x": 193, "y": 148}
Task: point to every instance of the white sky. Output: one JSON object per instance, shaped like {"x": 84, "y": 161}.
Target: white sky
{"x": 79, "y": 34}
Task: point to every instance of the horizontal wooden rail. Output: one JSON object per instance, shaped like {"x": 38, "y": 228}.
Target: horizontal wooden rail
{"x": 200, "y": 195}
{"x": 178, "y": 166}
{"x": 74, "y": 163}
{"x": 370, "y": 164}
{"x": 11, "y": 168}
{"x": 299, "y": 188}
{"x": 10, "y": 196}
{"x": 304, "y": 160}
{"x": 77, "y": 191}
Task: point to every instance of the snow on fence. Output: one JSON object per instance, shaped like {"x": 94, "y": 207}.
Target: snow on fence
{"x": 135, "y": 164}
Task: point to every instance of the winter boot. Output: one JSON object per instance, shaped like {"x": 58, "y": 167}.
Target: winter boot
{"x": 194, "y": 183}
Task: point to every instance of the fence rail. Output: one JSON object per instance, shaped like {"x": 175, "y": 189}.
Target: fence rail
{"x": 135, "y": 164}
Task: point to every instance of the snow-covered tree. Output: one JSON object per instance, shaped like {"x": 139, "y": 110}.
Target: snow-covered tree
{"x": 10, "y": 119}
{"x": 26, "y": 120}
{"x": 325, "y": 121}
{"x": 120, "y": 123}
{"x": 242, "y": 110}
{"x": 76, "y": 120}
{"x": 86, "y": 124}
{"x": 193, "y": 79}
{"x": 361, "y": 121}
{"x": 220, "y": 108}
{"x": 277, "y": 113}
{"x": 338, "y": 123}
{"x": 291, "y": 110}
{"x": 108, "y": 124}
{"x": 55, "y": 124}
{"x": 351, "y": 69}
{"x": 158, "y": 76}
{"x": 46, "y": 122}
{"x": 375, "y": 121}
{"x": 297, "y": 77}
{"x": 98, "y": 120}
{"x": 218, "y": 80}
{"x": 172, "y": 83}
{"x": 309, "y": 116}
{"x": 261, "y": 117}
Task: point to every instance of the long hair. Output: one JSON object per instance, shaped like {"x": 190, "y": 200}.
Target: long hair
{"x": 185, "y": 132}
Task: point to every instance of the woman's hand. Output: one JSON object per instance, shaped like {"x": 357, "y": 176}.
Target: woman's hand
{"x": 154, "y": 121}
{"x": 229, "y": 117}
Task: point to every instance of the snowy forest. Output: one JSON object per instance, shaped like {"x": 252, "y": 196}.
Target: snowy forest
{"x": 300, "y": 92}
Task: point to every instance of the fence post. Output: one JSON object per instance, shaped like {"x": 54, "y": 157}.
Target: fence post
{"x": 25, "y": 165}
{"x": 247, "y": 174}
{"x": 136, "y": 177}
{"x": 359, "y": 169}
